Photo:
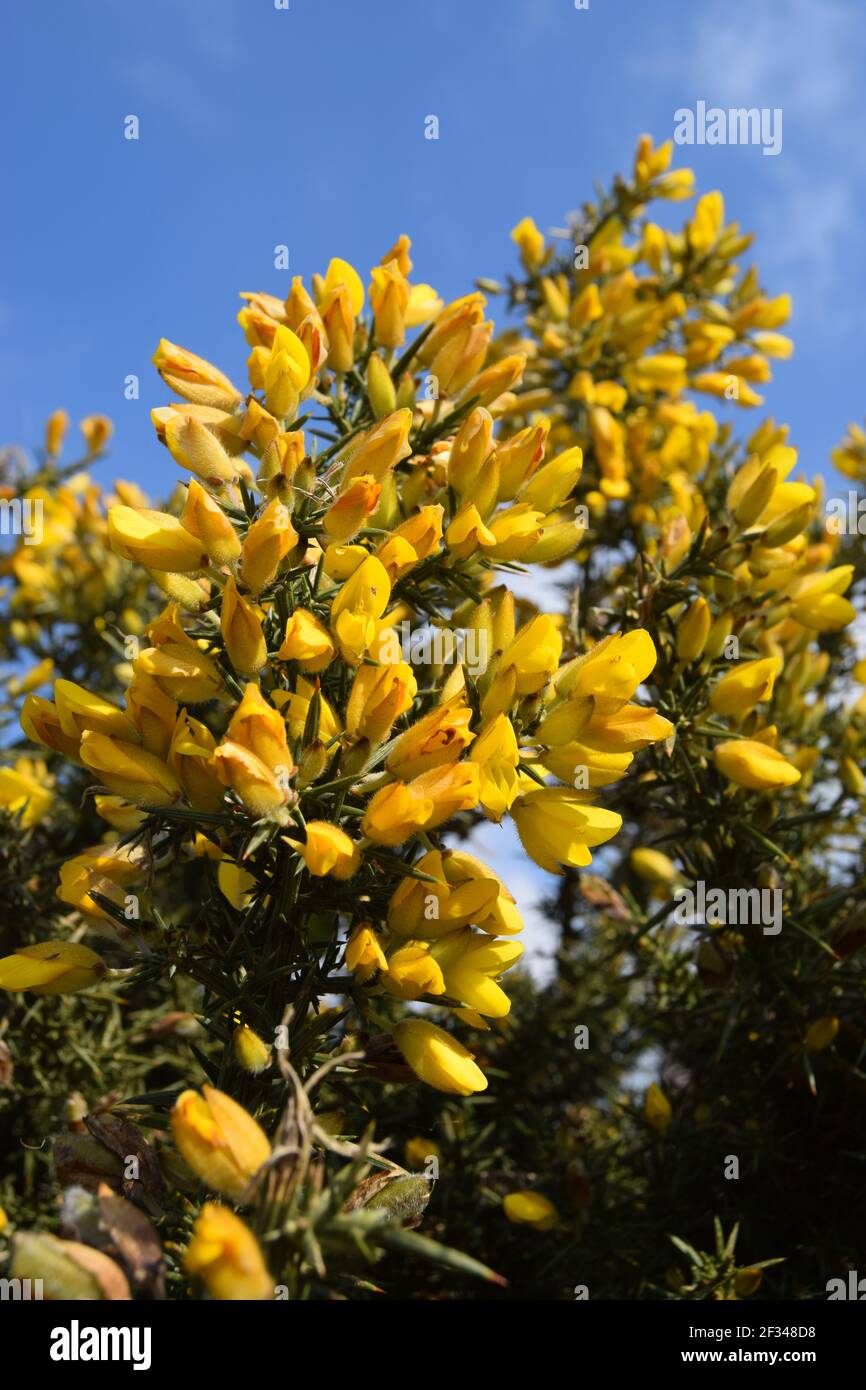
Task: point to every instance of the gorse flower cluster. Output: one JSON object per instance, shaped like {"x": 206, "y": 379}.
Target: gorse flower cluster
{"x": 316, "y": 679}
{"x": 274, "y": 695}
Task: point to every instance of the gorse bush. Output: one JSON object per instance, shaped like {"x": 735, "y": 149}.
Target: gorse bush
{"x": 260, "y": 1034}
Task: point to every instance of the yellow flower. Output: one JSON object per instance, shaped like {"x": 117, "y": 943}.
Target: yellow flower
{"x": 105, "y": 869}
{"x": 464, "y": 891}
{"x": 266, "y": 544}
{"x": 191, "y": 759}
{"x": 530, "y": 1209}
{"x": 821, "y": 1034}
{"x": 197, "y": 448}
{"x": 412, "y": 542}
{"x": 496, "y": 752}
{"x": 417, "y": 1150}
{"x": 364, "y": 953}
{"x": 412, "y": 972}
{"x": 381, "y": 448}
{"x": 358, "y": 500}
{"x": 329, "y": 850}
{"x": 533, "y": 655}
{"x": 437, "y": 738}
{"x": 40, "y": 721}
{"x": 359, "y": 605}
{"x": 610, "y": 672}
{"x": 286, "y": 372}
{"x": 203, "y": 518}
{"x": 379, "y": 695}
{"x": 261, "y": 729}
{"x": 40, "y": 674}
{"x": 471, "y": 964}
{"x": 466, "y": 532}
{"x": 754, "y": 765}
{"x": 657, "y": 1109}
{"x": 181, "y": 669}
{"x": 97, "y": 430}
{"x": 223, "y": 1145}
{"x": 55, "y": 432}
{"x": 129, "y": 771}
{"x": 194, "y": 378}
{"x": 652, "y": 866}
{"x": 155, "y": 539}
{"x": 51, "y": 967}
{"x": 27, "y": 788}
{"x": 693, "y": 629}
{"x": 307, "y": 641}
{"x": 241, "y": 627}
{"x": 255, "y": 783}
{"x": 745, "y": 686}
{"x": 556, "y": 826}
{"x": 79, "y": 710}
{"x": 471, "y": 447}
{"x": 817, "y": 602}
{"x": 153, "y": 713}
{"x": 530, "y": 241}
{"x": 401, "y": 808}
{"x": 226, "y": 1255}
{"x": 551, "y": 485}
{"x": 250, "y": 1051}
{"x": 389, "y": 300}
{"x": 438, "y": 1059}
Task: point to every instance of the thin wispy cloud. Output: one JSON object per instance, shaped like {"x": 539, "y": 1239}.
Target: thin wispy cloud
{"x": 806, "y": 59}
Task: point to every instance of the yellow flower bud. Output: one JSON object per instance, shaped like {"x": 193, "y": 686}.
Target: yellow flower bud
{"x": 653, "y": 866}
{"x": 693, "y": 629}
{"x": 657, "y": 1109}
{"x": 438, "y": 1059}
{"x": 389, "y": 300}
{"x": 328, "y": 850}
{"x": 530, "y": 1209}
{"x": 381, "y": 391}
{"x": 821, "y": 1034}
{"x": 55, "y": 432}
{"x": 530, "y": 241}
{"x": 194, "y": 378}
{"x": 223, "y": 1145}
{"x": 202, "y": 517}
{"x": 197, "y": 448}
{"x": 225, "y": 1254}
{"x": 267, "y": 543}
{"x": 754, "y": 765}
{"x": 364, "y": 954}
{"x": 251, "y": 1053}
{"x": 241, "y": 628}
{"x": 97, "y": 430}
{"x": 745, "y": 685}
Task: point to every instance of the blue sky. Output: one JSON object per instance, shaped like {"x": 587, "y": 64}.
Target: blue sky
{"x": 305, "y": 127}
